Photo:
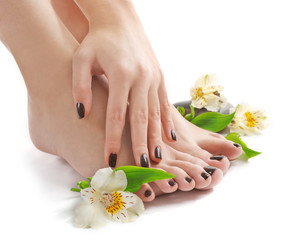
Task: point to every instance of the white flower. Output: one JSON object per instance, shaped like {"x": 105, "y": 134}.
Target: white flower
{"x": 247, "y": 120}
{"x": 106, "y": 200}
{"x": 207, "y": 94}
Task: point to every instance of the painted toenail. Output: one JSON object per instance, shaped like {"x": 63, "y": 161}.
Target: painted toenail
{"x": 144, "y": 160}
{"x": 188, "y": 179}
{"x": 205, "y": 175}
{"x": 112, "y": 160}
{"x": 173, "y": 135}
{"x": 158, "y": 152}
{"x": 147, "y": 193}
{"x": 210, "y": 169}
{"x": 217, "y": 157}
{"x": 80, "y": 110}
{"x": 236, "y": 145}
{"x": 172, "y": 183}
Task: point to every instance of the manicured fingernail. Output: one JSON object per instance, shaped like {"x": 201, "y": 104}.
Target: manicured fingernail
{"x": 188, "y": 179}
{"x": 144, "y": 160}
{"x": 171, "y": 183}
{"x": 112, "y": 160}
{"x": 205, "y": 175}
{"x": 173, "y": 135}
{"x": 147, "y": 193}
{"x": 236, "y": 145}
{"x": 210, "y": 169}
{"x": 158, "y": 152}
{"x": 217, "y": 157}
{"x": 80, "y": 110}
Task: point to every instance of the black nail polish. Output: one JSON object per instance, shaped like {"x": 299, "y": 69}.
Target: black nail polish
{"x": 188, "y": 179}
{"x": 80, "y": 110}
{"x": 205, "y": 175}
{"x": 236, "y": 145}
{"x": 173, "y": 135}
{"x": 147, "y": 193}
{"x": 144, "y": 160}
{"x": 112, "y": 160}
{"x": 171, "y": 183}
{"x": 210, "y": 169}
{"x": 217, "y": 157}
{"x": 158, "y": 152}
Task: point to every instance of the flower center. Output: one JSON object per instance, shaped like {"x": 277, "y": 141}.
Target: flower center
{"x": 251, "y": 122}
{"x": 199, "y": 93}
{"x": 113, "y": 202}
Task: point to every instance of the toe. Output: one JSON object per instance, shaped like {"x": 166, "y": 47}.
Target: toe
{"x": 200, "y": 176}
{"x": 146, "y": 193}
{"x": 203, "y": 158}
{"x": 183, "y": 180}
{"x": 165, "y": 185}
{"x": 216, "y": 176}
{"x": 221, "y": 146}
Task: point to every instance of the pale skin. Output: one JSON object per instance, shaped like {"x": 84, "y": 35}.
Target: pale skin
{"x": 44, "y": 38}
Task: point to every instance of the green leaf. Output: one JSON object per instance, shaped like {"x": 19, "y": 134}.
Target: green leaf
{"x": 191, "y": 115}
{"x": 235, "y": 137}
{"x": 181, "y": 110}
{"x": 83, "y": 184}
{"x": 75, "y": 190}
{"x": 136, "y": 176}
{"x": 213, "y": 121}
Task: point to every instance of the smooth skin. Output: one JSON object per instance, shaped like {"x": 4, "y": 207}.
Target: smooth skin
{"x": 117, "y": 46}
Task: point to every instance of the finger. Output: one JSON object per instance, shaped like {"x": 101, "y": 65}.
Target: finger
{"x": 166, "y": 118}
{"x": 81, "y": 83}
{"x": 138, "y": 113}
{"x": 115, "y": 120}
{"x": 154, "y": 126}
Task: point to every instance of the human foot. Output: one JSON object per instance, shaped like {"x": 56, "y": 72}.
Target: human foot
{"x": 210, "y": 147}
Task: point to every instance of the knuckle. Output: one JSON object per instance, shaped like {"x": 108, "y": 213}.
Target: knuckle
{"x": 165, "y": 105}
{"x": 155, "y": 114}
{"x": 116, "y": 116}
{"x": 140, "y": 116}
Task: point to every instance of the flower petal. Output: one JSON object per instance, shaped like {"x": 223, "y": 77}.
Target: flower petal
{"x": 89, "y": 195}
{"x": 101, "y": 177}
{"x": 117, "y": 181}
{"x": 135, "y": 210}
{"x": 90, "y": 215}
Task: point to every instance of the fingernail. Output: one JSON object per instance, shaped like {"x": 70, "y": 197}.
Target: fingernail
{"x": 173, "y": 135}
{"x": 144, "y": 160}
{"x": 217, "y": 157}
{"x": 205, "y": 175}
{"x": 210, "y": 169}
{"x": 80, "y": 110}
{"x": 236, "y": 145}
{"x": 158, "y": 152}
{"x": 188, "y": 179}
{"x": 147, "y": 193}
{"x": 112, "y": 160}
{"x": 171, "y": 183}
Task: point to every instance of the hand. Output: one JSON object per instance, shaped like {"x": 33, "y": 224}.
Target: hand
{"x": 117, "y": 46}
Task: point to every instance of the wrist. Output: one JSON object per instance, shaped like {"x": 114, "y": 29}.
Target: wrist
{"x": 105, "y": 11}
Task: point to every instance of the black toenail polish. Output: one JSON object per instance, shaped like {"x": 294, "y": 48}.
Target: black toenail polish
{"x": 188, "y": 179}
{"x": 172, "y": 183}
{"x": 217, "y": 157}
{"x": 144, "y": 160}
{"x": 205, "y": 175}
{"x": 210, "y": 169}
{"x": 147, "y": 193}
{"x": 173, "y": 135}
{"x": 112, "y": 159}
{"x": 236, "y": 145}
{"x": 80, "y": 110}
{"x": 158, "y": 152}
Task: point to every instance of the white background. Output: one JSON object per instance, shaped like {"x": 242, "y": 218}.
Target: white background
{"x": 254, "y": 48}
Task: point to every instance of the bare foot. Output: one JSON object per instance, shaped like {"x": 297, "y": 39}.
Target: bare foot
{"x": 210, "y": 147}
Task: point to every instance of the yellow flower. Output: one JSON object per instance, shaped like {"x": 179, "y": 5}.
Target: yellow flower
{"x": 247, "y": 120}
{"x": 207, "y": 94}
